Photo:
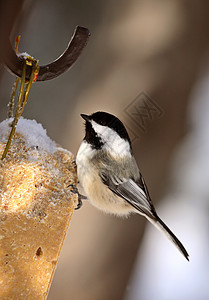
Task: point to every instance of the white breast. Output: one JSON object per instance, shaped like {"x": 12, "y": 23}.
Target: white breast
{"x": 83, "y": 158}
{"x": 97, "y": 193}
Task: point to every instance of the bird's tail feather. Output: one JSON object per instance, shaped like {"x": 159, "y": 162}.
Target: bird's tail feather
{"x": 160, "y": 225}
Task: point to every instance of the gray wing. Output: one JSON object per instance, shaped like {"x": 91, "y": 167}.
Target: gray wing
{"x": 135, "y": 193}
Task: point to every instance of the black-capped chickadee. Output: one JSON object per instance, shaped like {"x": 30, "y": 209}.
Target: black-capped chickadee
{"x": 109, "y": 175}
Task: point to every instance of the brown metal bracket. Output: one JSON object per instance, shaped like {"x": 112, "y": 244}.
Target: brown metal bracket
{"x": 46, "y": 72}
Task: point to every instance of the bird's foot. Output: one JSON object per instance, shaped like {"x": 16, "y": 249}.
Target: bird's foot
{"x": 80, "y": 197}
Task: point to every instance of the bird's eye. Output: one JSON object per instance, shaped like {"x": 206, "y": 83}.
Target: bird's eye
{"x": 101, "y": 122}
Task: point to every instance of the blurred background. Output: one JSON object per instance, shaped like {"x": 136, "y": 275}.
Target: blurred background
{"x": 147, "y": 51}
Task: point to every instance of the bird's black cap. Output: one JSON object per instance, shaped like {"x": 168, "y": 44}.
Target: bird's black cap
{"x": 109, "y": 120}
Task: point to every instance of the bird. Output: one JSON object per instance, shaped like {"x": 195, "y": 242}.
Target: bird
{"x": 109, "y": 175}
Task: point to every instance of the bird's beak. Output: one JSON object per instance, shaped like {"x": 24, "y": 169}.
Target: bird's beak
{"x": 86, "y": 117}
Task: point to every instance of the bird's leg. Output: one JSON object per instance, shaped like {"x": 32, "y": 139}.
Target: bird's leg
{"x": 80, "y": 197}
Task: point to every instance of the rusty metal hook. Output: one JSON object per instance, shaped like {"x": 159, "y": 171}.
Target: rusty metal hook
{"x": 46, "y": 72}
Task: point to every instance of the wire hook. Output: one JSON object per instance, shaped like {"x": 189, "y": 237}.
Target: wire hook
{"x": 52, "y": 70}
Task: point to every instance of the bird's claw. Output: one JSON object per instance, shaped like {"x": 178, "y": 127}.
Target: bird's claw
{"x": 80, "y": 197}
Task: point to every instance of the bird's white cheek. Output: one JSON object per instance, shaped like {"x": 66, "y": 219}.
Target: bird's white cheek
{"x": 113, "y": 143}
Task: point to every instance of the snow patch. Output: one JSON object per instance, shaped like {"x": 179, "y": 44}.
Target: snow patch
{"x": 35, "y": 135}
